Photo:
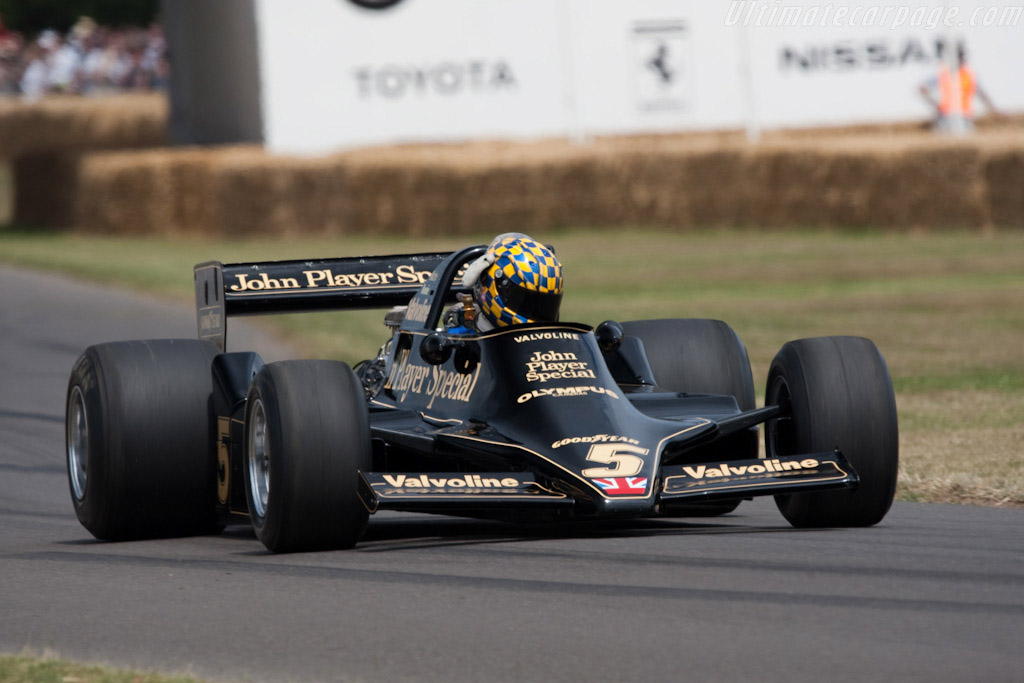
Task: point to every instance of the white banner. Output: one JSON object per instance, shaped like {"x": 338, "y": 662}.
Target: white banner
{"x": 845, "y": 63}
{"x": 335, "y": 74}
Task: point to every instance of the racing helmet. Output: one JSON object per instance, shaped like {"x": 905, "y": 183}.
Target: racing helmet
{"x": 517, "y": 280}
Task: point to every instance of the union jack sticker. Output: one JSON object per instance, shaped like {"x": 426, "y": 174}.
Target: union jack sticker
{"x": 623, "y": 486}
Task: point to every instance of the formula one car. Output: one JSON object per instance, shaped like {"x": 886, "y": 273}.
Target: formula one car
{"x": 527, "y": 422}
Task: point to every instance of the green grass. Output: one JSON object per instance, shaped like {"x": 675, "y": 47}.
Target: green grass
{"x": 946, "y": 310}
{"x": 28, "y": 669}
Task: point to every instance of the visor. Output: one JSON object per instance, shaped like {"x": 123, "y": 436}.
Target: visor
{"x": 529, "y": 304}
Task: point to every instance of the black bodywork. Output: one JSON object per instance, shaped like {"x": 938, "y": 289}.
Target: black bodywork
{"x": 548, "y": 420}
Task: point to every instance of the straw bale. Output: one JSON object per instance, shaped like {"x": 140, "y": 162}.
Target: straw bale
{"x": 1004, "y": 177}
{"x": 898, "y": 181}
{"x": 119, "y": 193}
{"x": 842, "y": 185}
{"x": 260, "y": 195}
{"x": 72, "y": 124}
{"x": 897, "y": 178}
{"x": 225, "y": 191}
{"x": 944, "y": 188}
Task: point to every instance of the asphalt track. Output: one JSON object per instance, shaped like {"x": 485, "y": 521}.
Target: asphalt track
{"x": 934, "y": 593}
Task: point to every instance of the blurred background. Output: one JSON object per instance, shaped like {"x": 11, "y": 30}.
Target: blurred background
{"x": 793, "y": 168}
{"x": 434, "y": 116}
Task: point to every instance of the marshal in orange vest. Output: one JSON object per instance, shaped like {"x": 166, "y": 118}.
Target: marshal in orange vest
{"x": 944, "y": 87}
{"x": 968, "y": 87}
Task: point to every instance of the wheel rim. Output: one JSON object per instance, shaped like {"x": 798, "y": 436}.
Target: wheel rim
{"x": 78, "y": 444}
{"x": 259, "y": 460}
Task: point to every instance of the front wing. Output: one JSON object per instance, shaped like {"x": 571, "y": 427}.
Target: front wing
{"x": 442, "y": 491}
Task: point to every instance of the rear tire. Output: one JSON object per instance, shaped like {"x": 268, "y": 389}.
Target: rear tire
{"x": 835, "y": 393}
{"x": 139, "y": 438}
{"x": 700, "y": 356}
{"x": 307, "y": 436}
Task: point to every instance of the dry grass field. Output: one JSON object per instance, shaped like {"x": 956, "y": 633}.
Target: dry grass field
{"x": 946, "y": 309}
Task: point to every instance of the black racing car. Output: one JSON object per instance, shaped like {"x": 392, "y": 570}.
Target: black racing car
{"x": 528, "y": 422}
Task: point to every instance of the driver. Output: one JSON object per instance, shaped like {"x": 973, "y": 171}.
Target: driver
{"x": 517, "y": 280}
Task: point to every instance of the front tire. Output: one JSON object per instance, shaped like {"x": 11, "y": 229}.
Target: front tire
{"x": 307, "y": 437}
{"x": 697, "y": 356}
{"x": 139, "y": 439}
{"x": 835, "y": 393}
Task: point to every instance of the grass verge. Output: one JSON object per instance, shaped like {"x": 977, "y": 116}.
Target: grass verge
{"x": 946, "y": 309}
{"x": 29, "y": 669}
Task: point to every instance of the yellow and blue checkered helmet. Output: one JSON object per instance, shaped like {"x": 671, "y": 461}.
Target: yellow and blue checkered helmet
{"x": 521, "y": 284}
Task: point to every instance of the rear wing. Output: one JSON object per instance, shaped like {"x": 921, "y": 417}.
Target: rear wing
{"x": 224, "y": 290}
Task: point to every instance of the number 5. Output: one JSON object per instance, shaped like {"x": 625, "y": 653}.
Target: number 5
{"x": 617, "y": 455}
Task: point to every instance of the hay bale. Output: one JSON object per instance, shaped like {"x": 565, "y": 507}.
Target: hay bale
{"x": 224, "y": 191}
{"x": 62, "y": 124}
{"x": 899, "y": 179}
{"x": 944, "y": 188}
{"x": 125, "y": 193}
{"x": 836, "y": 186}
{"x": 1004, "y": 177}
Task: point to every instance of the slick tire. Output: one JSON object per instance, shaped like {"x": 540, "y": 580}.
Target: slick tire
{"x": 307, "y": 437}
{"x": 835, "y": 392}
{"x": 700, "y": 356}
{"x": 696, "y": 356}
{"x": 140, "y": 439}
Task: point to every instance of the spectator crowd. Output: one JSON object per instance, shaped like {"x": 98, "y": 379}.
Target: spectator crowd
{"x": 89, "y": 60}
